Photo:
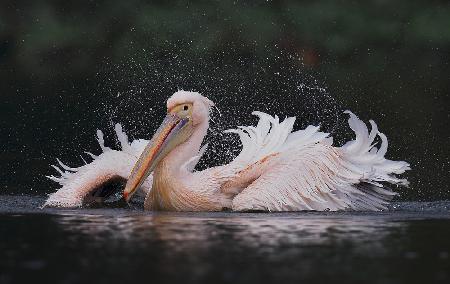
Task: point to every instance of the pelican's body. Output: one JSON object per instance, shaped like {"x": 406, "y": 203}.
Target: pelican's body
{"x": 277, "y": 169}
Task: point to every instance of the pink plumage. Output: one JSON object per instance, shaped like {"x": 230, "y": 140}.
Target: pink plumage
{"x": 278, "y": 169}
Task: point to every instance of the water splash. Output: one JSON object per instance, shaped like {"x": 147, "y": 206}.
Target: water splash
{"x": 134, "y": 93}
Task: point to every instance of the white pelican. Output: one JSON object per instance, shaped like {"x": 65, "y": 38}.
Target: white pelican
{"x": 277, "y": 170}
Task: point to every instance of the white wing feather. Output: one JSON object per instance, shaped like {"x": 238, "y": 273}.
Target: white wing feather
{"x": 307, "y": 173}
{"x": 76, "y": 183}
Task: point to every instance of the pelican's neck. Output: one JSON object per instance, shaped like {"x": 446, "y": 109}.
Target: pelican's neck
{"x": 170, "y": 190}
{"x": 177, "y": 158}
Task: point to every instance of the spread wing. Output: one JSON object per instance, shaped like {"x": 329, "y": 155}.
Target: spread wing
{"x": 79, "y": 183}
{"x": 281, "y": 170}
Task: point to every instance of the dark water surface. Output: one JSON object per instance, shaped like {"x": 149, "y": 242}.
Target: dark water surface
{"x": 408, "y": 244}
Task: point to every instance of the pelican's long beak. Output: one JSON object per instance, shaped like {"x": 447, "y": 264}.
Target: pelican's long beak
{"x": 173, "y": 131}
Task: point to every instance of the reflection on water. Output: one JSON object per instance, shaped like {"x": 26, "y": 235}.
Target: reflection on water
{"x": 122, "y": 246}
{"x": 252, "y": 230}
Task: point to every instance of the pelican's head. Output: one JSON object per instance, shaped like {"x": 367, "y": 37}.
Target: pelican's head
{"x": 185, "y": 111}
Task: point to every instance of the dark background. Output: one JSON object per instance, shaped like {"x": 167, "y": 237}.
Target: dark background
{"x": 68, "y": 68}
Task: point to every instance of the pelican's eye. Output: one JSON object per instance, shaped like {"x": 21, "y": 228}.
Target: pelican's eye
{"x": 181, "y": 110}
